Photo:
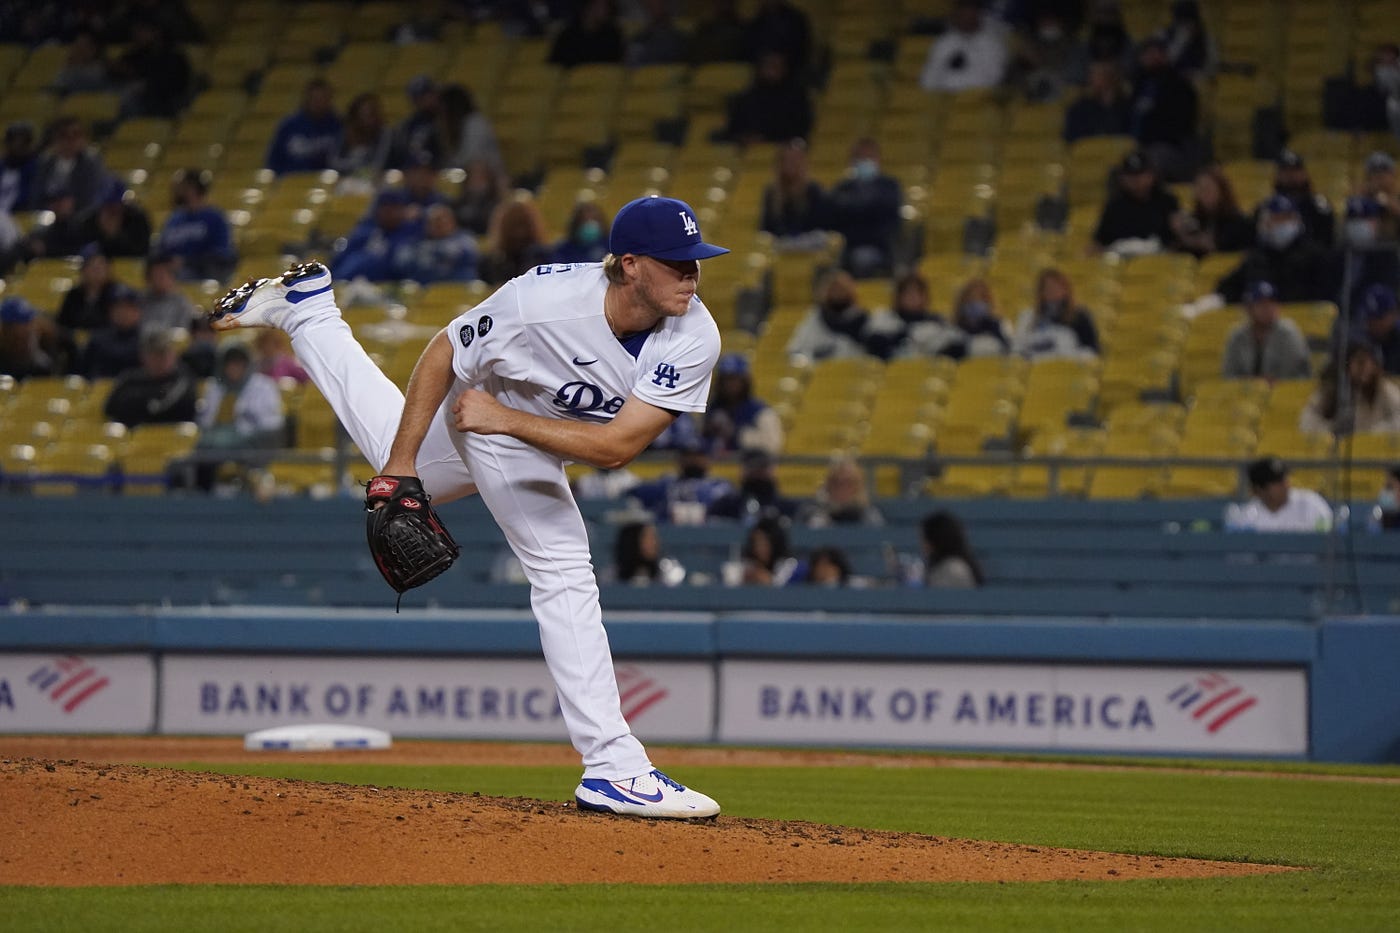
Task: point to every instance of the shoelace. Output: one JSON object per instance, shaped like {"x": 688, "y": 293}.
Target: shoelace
{"x": 665, "y": 780}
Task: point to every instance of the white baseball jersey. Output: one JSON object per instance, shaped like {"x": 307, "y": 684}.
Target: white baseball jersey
{"x": 542, "y": 344}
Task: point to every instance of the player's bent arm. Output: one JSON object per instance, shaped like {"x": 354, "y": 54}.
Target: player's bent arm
{"x": 431, "y": 380}
{"x": 608, "y": 445}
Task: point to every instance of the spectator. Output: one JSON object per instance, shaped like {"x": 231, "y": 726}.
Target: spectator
{"x": 1293, "y": 181}
{"x": 587, "y": 236}
{"x": 201, "y": 356}
{"x": 85, "y": 68}
{"x": 119, "y": 226}
{"x": 1367, "y": 261}
{"x": 1215, "y": 223}
{"x": 273, "y": 349}
{"x": 156, "y": 73}
{"x": 163, "y": 304}
{"x": 1103, "y": 109}
{"x": 735, "y": 419}
{"x": 115, "y": 348}
{"x": 88, "y": 304}
{"x": 1267, "y": 345}
{"x": 170, "y": 15}
{"x": 764, "y": 558}
{"x": 835, "y": 326}
{"x": 466, "y": 132}
{"x": 1367, "y": 403}
{"x": 241, "y": 408}
{"x": 480, "y": 194}
{"x": 1189, "y": 46}
{"x": 444, "y": 253}
{"x": 781, "y": 27}
{"x": 516, "y": 242}
{"x": 1057, "y": 326}
{"x": 1164, "y": 112}
{"x": 1048, "y": 58}
{"x": 909, "y": 327}
{"x": 420, "y": 185}
{"x": 605, "y": 485}
{"x": 369, "y": 249}
{"x": 1379, "y": 314}
{"x": 68, "y": 171}
{"x": 795, "y": 208}
{"x": 365, "y": 143}
{"x": 1137, "y": 216}
{"x": 18, "y": 169}
{"x": 1386, "y": 514}
{"x": 593, "y": 36}
{"x": 685, "y": 496}
{"x": 980, "y": 328}
{"x": 1277, "y": 505}
{"x": 1378, "y": 184}
{"x": 1298, "y": 268}
{"x": 827, "y": 566}
{"x": 159, "y": 391}
{"x": 1108, "y": 37}
{"x": 308, "y": 140}
{"x": 22, "y": 353}
{"x": 637, "y": 558}
{"x": 865, "y": 211}
{"x": 774, "y": 108}
{"x": 1365, "y": 108}
{"x": 196, "y": 232}
{"x": 948, "y": 559}
{"x": 758, "y": 495}
{"x": 659, "y": 41}
{"x": 418, "y": 138}
{"x": 972, "y": 53}
{"x": 722, "y": 36}
{"x": 843, "y": 499}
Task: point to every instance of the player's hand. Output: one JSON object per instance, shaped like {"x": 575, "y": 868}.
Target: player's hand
{"x": 479, "y": 413}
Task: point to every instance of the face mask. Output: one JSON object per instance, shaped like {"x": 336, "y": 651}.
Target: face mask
{"x": 1280, "y": 236}
{"x": 1388, "y": 501}
{"x": 1360, "y": 232}
{"x": 866, "y": 169}
{"x": 1052, "y": 309}
{"x": 975, "y": 312}
{"x": 589, "y": 232}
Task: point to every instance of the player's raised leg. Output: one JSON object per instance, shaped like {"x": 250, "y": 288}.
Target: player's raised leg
{"x": 300, "y": 301}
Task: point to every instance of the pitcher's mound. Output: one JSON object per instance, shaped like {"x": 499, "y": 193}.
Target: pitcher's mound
{"x": 74, "y": 823}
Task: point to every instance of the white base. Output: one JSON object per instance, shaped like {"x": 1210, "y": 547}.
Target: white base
{"x": 313, "y": 738}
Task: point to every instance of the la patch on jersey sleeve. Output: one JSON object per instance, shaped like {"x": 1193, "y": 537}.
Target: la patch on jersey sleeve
{"x": 674, "y": 373}
{"x": 490, "y": 338}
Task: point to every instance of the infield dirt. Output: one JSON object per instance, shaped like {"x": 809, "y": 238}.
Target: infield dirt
{"x": 76, "y": 812}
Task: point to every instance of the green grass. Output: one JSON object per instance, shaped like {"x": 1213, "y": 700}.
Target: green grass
{"x": 1347, "y": 833}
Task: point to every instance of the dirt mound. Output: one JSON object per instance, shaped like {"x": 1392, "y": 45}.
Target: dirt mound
{"x": 69, "y": 823}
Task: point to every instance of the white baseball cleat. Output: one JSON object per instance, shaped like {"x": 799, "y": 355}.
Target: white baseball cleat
{"x": 269, "y": 302}
{"x": 651, "y": 795}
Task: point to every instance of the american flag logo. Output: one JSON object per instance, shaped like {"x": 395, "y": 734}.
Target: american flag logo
{"x": 68, "y": 681}
{"x": 638, "y": 691}
{"x": 1212, "y": 699}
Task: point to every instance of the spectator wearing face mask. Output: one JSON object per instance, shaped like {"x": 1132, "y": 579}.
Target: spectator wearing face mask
{"x": 835, "y": 326}
{"x": 972, "y": 53}
{"x": 1368, "y": 259}
{"x": 1057, "y": 326}
{"x": 865, "y": 211}
{"x": 1293, "y": 181}
{"x": 587, "y": 236}
{"x": 1048, "y": 58}
{"x": 981, "y": 330}
{"x": 1298, "y": 268}
{"x": 1378, "y": 182}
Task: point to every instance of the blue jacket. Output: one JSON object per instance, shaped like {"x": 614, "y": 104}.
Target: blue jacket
{"x": 370, "y": 250}
{"x": 443, "y": 259}
{"x": 201, "y": 232}
{"x": 304, "y": 144}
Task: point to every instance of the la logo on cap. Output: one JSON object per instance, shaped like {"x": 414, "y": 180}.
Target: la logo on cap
{"x": 691, "y": 228}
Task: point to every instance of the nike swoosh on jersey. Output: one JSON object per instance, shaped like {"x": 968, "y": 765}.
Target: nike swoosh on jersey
{"x": 579, "y": 362}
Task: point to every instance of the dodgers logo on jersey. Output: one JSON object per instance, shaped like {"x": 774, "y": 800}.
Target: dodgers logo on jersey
{"x": 483, "y": 326}
{"x": 665, "y": 373}
{"x": 466, "y": 335}
{"x": 584, "y": 397}
{"x": 691, "y": 228}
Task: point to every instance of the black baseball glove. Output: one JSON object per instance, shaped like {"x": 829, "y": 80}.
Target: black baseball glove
{"x": 408, "y": 541}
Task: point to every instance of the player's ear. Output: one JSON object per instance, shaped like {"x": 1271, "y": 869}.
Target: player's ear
{"x": 631, "y": 266}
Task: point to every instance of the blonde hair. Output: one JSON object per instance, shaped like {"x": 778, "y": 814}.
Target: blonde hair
{"x": 613, "y": 271}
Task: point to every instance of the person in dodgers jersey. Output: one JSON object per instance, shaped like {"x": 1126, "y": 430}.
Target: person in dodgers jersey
{"x": 580, "y": 362}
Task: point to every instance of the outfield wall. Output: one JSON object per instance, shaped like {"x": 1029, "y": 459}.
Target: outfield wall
{"x": 1325, "y": 691}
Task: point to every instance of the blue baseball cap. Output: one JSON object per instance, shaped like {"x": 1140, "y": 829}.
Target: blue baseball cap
{"x": 1260, "y": 291}
{"x": 732, "y": 364}
{"x": 1278, "y": 204}
{"x": 662, "y": 228}
{"x": 16, "y": 311}
{"x": 1362, "y": 206}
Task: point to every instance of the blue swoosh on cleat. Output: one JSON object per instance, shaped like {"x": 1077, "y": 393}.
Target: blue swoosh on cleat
{"x": 299, "y": 297}
{"x": 654, "y": 798}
